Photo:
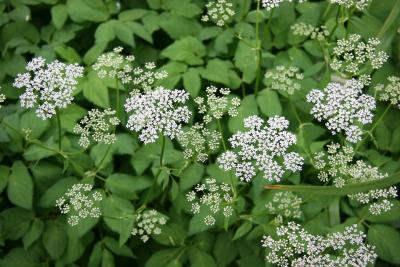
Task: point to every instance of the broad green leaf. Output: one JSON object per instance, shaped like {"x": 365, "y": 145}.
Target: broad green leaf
{"x": 55, "y": 239}
{"x": 59, "y": 15}
{"x": 95, "y": 91}
{"x": 70, "y": 116}
{"x": 113, "y": 246}
{"x": 29, "y": 120}
{"x": 247, "y": 108}
{"x": 200, "y": 258}
{"x": 192, "y": 81}
{"x": 49, "y": 197}
{"x": 20, "y": 186}
{"x": 166, "y": 257}
{"x": 132, "y": 14}
{"x": 81, "y": 10}
{"x": 107, "y": 259}
{"x": 68, "y": 53}
{"x": 123, "y": 32}
{"x": 225, "y": 251}
{"x": 4, "y": 174}
{"x": 21, "y": 258}
{"x": 386, "y": 241}
{"x": 140, "y": 31}
{"x": 246, "y": 61}
{"x": 242, "y": 230}
{"x": 15, "y": 222}
{"x": 191, "y": 176}
{"x": 269, "y": 104}
{"x": 105, "y": 32}
{"x": 189, "y": 50}
{"x": 95, "y": 256}
{"x": 34, "y": 233}
{"x": 126, "y": 186}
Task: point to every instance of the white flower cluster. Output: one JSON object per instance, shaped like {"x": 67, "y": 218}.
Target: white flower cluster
{"x": 97, "y": 125}
{"x": 284, "y": 79}
{"x": 215, "y": 106}
{"x": 48, "y": 86}
{"x": 337, "y": 166}
{"x": 262, "y": 148}
{"x": 343, "y": 107}
{"x": 148, "y": 223}
{"x": 213, "y": 197}
{"x": 351, "y": 55}
{"x": 270, "y": 4}
{"x": 390, "y": 92}
{"x": 298, "y": 248}
{"x": 285, "y": 204}
{"x": 198, "y": 141}
{"x": 157, "y": 112}
{"x": 145, "y": 78}
{"x": 2, "y": 98}
{"x": 359, "y": 4}
{"x": 80, "y": 203}
{"x": 219, "y": 12}
{"x": 113, "y": 64}
{"x": 308, "y": 30}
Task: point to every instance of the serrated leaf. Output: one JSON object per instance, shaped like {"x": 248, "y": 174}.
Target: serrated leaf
{"x": 20, "y": 186}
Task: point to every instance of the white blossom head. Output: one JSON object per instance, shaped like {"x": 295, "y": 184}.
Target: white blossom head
{"x": 97, "y": 126}
{"x": 351, "y": 55}
{"x": 284, "y": 79}
{"x": 217, "y": 103}
{"x": 147, "y": 223}
{"x": 145, "y": 77}
{"x": 2, "y": 98}
{"x": 359, "y": 4}
{"x": 262, "y": 148}
{"x": 390, "y": 92}
{"x": 48, "y": 87}
{"x": 270, "y": 4}
{"x": 198, "y": 141}
{"x": 338, "y": 167}
{"x": 80, "y": 202}
{"x": 285, "y": 204}
{"x": 343, "y": 107}
{"x": 307, "y": 30}
{"x": 114, "y": 65}
{"x": 213, "y": 197}
{"x": 296, "y": 247}
{"x": 158, "y": 112}
{"x": 219, "y": 12}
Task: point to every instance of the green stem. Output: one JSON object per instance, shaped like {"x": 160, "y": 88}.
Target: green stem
{"x": 345, "y": 190}
{"x": 117, "y": 96}
{"x": 222, "y": 135}
{"x": 258, "y": 47}
{"x": 59, "y": 128}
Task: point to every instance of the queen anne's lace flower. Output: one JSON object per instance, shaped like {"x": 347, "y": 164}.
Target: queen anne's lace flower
{"x": 214, "y": 106}
{"x": 262, "y": 148}
{"x": 212, "y": 197}
{"x": 351, "y": 55}
{"x": 97, "y": 125}
{"x": 337, "y": 166}
{"x": 390, "y": 92}
{"x": 307, "y": 30}
{"x": 284, "y": 79}
{"x": 145, "y": 77}
{"x": 285, "y": 204}
{"x": 359, "y": 4}
{"x": 219, "y": 12}
{"x": 157, "y": 112}
{"x": 198, "y": 141}
{"x": 48, "y": 86}
{"x": 148, "y": 222}
{"x": 343, "y": 107}
{"x": 80, "y": 203}
{"x": 296, "y": 247}
{"x": 270, "y": 4}
{"x": 113, "y": 64}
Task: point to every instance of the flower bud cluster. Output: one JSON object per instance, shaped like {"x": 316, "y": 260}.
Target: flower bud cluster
{"x": 284, "y": 79}
{"x": 262, "y": 148}
{"x": 213, "y": 197}
{"x": 219, "y": 12}
{"x": 343, "y": 107}
{"x": 98, "y": 126}
{"x": 270, "y": 4}
{"x": 285, "y": 204}
{"x": 390, "y": 92}
{"x": 148, "y": 222}
{"x": 308, "y": 30}
{"x": 296, "y": 247}
{"x": 80, "y": 203}
{"x": 359, "y": 4}
{"x": 145, "y": 78}
{"x": 48, "y": 86}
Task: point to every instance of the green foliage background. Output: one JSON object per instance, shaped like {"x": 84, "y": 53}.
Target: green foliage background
{"x": 195, "y": 54}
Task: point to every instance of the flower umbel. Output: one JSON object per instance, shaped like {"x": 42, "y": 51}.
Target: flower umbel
{"x": 270, "y": 4}
{"x": 213, "y": 197}
{"x": 157, "y": 112}
{"x": 2, "y": 98}
{"x": 296, "y": 247}
{"x": 48, "y": 86}
{"x": 359, "y": 4}
{"x": 285, "y": 204}
{"x": 390, "y": 92}
{"x": 80, "y": 203}
{"x": 98, "y": 126}
{"x": 284, "y": 79}
{"x": 343, "y": 107}
{"x": 148, "y": 223}
{"x": 219, "y": 12}
{"x": 308, "y": 30}
{"x": 262, "y": 147}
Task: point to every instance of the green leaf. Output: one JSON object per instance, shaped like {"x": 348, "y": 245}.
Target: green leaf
{"x": 49, "y": 197}
{"x": 59, "y": 15}
{"x": 55, "y": 240}
{"x": 192, "y": 81}
{"x": 132, "y": 14}
{"x": 105, "y": 32}
{"x": 386, "y": 241}
{"x": 20, "y": 186}
{"x": 107, "y": 259}
{"x": 200, "y": 258}
{"x": 126, "y": 185}
{"x": 15, "y": 222}
{"x": 70, "y": 115}
{"x": 247, "y": 108}
{"x": 21, "y": 258}
{"x": 68, "y": 53}
{"x": 29, "y": 120}
{"x": 246, "y": 61}
{"x": 166, "y": 257}
{"x": 95, "y": 91}
{"x": 225, "y": 251}
{"x": 34, "y": 233}
{"x": 81, "y": 10}
{"x": 95, "y": 256}
{"x": 189, "y": 50}
{"x": 191, "y": 176}
{"x": 140, "y": 31}
{"x": 123, "y": 32}
{"x": 113, "y": 245}
{"x": 390, "y": 216}
{"x": 242, "y": 230}
{"x": 4, "y": 174}
{"x": 269, "y": 104}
